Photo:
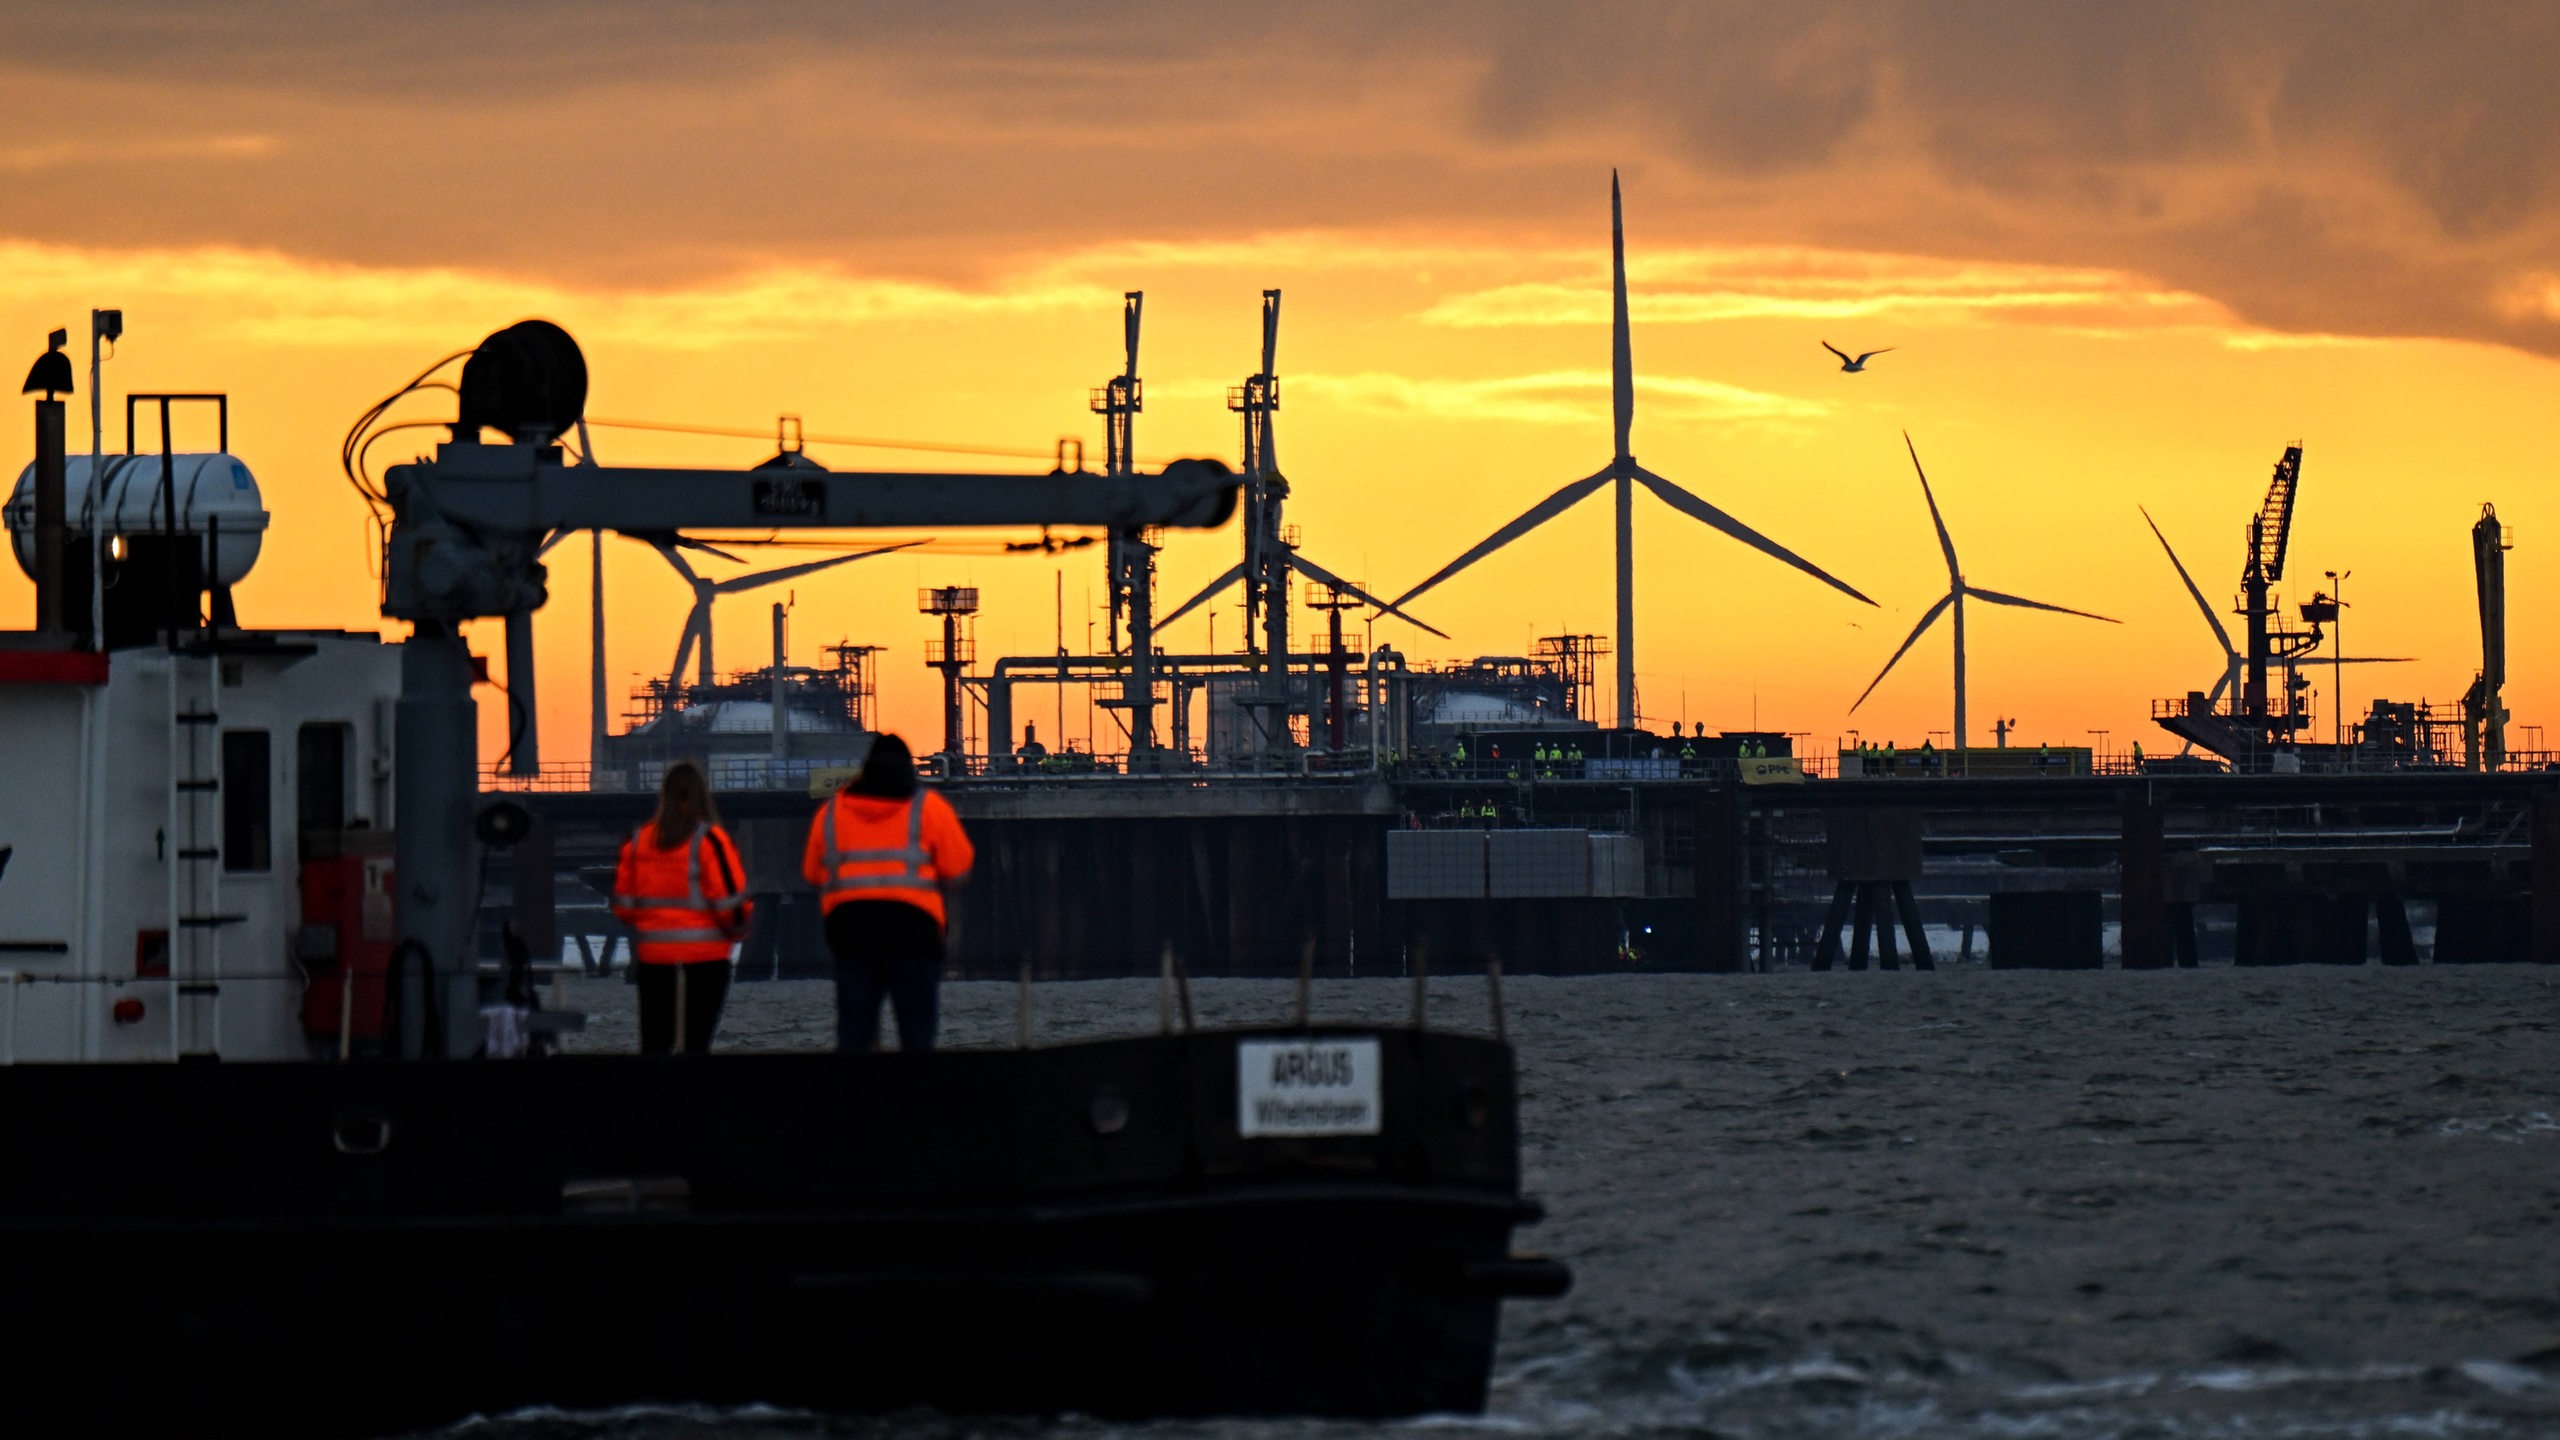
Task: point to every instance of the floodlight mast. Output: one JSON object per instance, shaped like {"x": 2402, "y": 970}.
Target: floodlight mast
{"x": 466, "y": 533}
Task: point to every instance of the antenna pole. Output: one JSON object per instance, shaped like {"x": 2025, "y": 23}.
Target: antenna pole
{"x": 105, "y": 328}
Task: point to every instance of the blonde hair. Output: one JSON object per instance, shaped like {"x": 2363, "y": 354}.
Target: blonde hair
{"x": 684, "y": 801}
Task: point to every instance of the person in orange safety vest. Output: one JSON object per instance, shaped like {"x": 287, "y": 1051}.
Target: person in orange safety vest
{"x": 885, "y": 854}
{"x": 681, "y": 890}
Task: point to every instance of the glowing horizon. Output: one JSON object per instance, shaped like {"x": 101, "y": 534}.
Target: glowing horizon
{"x": 1421, "y": 413}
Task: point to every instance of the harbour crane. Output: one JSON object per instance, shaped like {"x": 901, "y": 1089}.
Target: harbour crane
{"x": 468, "y": 524}
{"x": 2484, "y": 715}
{"x": 2255, "y": 722}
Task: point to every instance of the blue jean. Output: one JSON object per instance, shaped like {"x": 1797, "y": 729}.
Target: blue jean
{"x": 885, "y": 950}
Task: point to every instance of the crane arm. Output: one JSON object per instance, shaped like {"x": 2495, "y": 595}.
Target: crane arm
{"x": 468, "y": 524}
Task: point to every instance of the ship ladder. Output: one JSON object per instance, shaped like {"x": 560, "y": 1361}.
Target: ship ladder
{"x": 195, "y": 839}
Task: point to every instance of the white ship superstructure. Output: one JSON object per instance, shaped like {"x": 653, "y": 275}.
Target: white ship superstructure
{"x": 185, "y": 828}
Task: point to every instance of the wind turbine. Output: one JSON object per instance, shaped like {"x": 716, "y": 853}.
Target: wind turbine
{"x": 697, "y": 623}
{"x": 1268, "y": 557}
{"x": 2232, "y": 659}
{"x": 1624, "y": 474}
{"x": 1959, "y": 590}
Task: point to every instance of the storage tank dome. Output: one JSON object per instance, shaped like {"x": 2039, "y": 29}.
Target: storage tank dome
{"x": 214, "y": 493}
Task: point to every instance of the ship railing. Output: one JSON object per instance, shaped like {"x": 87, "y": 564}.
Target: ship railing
{"x": 726, "y": 773}
{"x": 2196, "y": 704}
{"x": 552, "y": 777}
{"x": 152, "y": 1000}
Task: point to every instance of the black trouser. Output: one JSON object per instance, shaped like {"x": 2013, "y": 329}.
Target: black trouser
{"x": 885, "y": 950}
{"x": 706, "y": 985}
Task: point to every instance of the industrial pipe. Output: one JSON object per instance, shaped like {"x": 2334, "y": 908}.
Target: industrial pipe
{"x": 1000, "y": 678}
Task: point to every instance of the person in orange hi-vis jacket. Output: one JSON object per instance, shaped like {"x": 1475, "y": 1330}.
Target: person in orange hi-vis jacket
{"x": 682, "y": 891}
{"x": 886, "y": 855}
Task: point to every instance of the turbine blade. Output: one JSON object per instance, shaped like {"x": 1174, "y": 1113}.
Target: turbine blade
{"x": 2220, "y": 634}
{"x": 2221, "y": 685}
{"x": 792, "y": 572}
{"x": 554, "y": 538}
{"x": 707, "y": 548}
{"x": 1697, "y": 509}
{"x": 1908, "y": 641}
{"x": 1946, "y": 545}
{"x": 1530, "y": 519}
{"x": 1622, "y": 364}
{"x": 667, "y": 548}
{"x": 1132, "y": 305}
{"x": 693, "y": 623}
{"x": 2363, "y": 660}
{"x": 1234, "y": 574}
{"x": 2021, "y": 602}
{"x": 1322, "y": 576}
{"x": 1267, "y": 453}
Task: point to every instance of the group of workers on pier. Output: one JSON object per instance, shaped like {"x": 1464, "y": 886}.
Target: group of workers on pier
{"x": 884, "y": 853}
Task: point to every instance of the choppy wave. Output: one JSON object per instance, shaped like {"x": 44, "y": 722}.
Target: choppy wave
{"x": 2203, "y": 1205}
{"x": 2503, "y": 1127}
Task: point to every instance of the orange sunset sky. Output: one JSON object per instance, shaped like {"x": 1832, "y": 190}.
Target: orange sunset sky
{"x": 2125, "y": 255}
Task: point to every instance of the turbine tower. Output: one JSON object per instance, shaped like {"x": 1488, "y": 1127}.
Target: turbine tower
{"x": 1624, "y": 474}
{"x": 1958, "y": 591}
{"x": 697, "y": 623}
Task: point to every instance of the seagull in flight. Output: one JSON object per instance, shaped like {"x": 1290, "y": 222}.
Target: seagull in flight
{"x": 1849, "y": 366}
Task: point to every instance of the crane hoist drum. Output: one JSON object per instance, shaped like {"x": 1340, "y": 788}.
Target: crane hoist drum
{"x": 529, "y": 380}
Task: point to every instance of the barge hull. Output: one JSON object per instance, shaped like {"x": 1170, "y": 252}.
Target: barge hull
{"x": 352, "y": 1250}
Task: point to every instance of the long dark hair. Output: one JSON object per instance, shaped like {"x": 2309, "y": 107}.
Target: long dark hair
{"x": 684, "y": 801}
{"x": 888, "y": 771}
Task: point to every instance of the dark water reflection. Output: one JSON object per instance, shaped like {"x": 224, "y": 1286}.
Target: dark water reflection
{"x": 2303, "y": 1203}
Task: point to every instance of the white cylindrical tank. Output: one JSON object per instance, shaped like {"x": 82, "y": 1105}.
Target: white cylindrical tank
{"x": 208, "y": 486}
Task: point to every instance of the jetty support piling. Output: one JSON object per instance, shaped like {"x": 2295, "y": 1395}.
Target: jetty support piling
{"x": 2391, "y": 926}
{"x": 1908, "y": 906}
{"x": 2543, "y": 866}
{"x": 1721, "y": 867}
{"x": 2143, "y": 892}
{"x": 1827, "y": 950}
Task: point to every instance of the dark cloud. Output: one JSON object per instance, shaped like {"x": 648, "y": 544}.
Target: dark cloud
{"x": 2350, "y": 167}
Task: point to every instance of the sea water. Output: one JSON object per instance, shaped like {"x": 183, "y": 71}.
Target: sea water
{"x": 2293, "y": 1203}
